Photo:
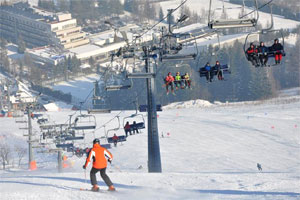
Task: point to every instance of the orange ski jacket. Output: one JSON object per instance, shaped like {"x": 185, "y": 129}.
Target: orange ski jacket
{"x": 99, "y": 155}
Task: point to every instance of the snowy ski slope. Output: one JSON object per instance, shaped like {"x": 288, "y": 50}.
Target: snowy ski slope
{"x": 209, "y": 151}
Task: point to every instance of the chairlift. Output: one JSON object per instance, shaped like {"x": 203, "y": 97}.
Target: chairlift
{"x": 127, "y": 84}
{"x": 232, "y": 23}
{"x": 84, "y": 122}
{"x": 138, "y": 121}
{"x": 224, "y": 69}
{"x": 98, "y": 102}
{"x": 113, "y": 129}
{"x": 169, "y": 46}
{"x": 121, "y": 138}
{"x": 270, "y": 53}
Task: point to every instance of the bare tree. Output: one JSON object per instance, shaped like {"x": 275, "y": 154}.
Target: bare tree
{"x": 4, "y": 154}
{"x": 21, "y": 152}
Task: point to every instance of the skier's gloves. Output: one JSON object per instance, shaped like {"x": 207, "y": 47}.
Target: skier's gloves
{"x": 109, "y": 160}
{"x": 83, "y": 167}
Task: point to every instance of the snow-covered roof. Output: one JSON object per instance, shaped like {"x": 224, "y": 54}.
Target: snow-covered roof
{"x": 89, "y": 50}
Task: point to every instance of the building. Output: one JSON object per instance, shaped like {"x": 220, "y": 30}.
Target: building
{"x": 47, "y": 55}
{"x": 99, "y": 53}
{"x": 103, "y": 44}
{"x": 36, "y": 27}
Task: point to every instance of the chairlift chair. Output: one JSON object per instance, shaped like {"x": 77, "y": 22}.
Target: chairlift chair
{"x": 139, "y": 125}
{"x": 121, "y": 138}
{"x": 225, "y": 69}
{"x": 232, "y": 23}
{"x": 170, "y": 47}
{"x": 124, "y": 86}
{"x": 84, "y": 122}
{"x": 98, "y": 102}
{"x": 264, "y": 32}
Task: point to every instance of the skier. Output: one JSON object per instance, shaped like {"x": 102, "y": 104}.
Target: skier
{"x": 127, "y": 129}
{"x": 263, "y": 54}
{"x": 169, "y": 81}
{"x": 134, "y": 127}
{"x": 187, "y": 80}
{"x": 99, "y": 154}
{"x": 277, "y": 49}
{"x": 259, "y": 167}
{"x": 209, "y": 72}
{"x": 219, "y": 71}
{"x": 252, "y": 55}
{"x": 115, "y": 139}
{"x": 178, "y": 81}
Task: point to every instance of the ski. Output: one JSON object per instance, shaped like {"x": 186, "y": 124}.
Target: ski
{"x": 100, "y": 190}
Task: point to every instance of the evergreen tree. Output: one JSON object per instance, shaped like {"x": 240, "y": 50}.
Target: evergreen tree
{"x": 240, "y": 73}
{"x": 21, "y": 45}
{"x": 161, "y": 14}
{"x": 128, "y": 5}
{"x": 260, "y": 86}
{"x": 116, "y": 6}
{"x": 91, "y": 62}
{"x": 149, "y": 10}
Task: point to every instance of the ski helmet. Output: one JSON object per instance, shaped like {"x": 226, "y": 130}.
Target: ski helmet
{"x": 96, "y": 141}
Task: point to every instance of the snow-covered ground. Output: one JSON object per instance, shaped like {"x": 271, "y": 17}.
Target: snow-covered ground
{"x": 233, "y": 11}
{"x": 208, "y": 151}
{"x": 80, "y": 87}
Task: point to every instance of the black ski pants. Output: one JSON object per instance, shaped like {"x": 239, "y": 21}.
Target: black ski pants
{"x": 103, "y": 176}
{"x": 209, "y": 75}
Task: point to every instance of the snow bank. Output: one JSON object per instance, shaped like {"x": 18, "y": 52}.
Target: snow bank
{"x": 289, "y": 92}
{"x": 188, "y": 104}
{"x": 52, "y": 107}
{"x": 285, "y": 97}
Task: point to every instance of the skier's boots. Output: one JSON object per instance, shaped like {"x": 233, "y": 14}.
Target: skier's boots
{"x": 95, "y": 188}
{"x": 111, "y": 188}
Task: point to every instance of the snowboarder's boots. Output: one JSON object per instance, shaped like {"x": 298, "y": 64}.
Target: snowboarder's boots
{"x": 95, "y": 188}
{"x": 111, "y": 188}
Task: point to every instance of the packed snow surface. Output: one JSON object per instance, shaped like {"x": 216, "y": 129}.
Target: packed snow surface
{"x": 207, "y": 152}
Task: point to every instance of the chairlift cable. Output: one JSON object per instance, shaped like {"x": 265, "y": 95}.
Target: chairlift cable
{"x": 173, "y": 10}
{"x": 118, "y": 115}
{"x": 257, "y": 9}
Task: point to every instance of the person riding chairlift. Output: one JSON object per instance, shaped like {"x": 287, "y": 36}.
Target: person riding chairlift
{"x": 209, "y": 72}
{"x": 187, "y": 81}
{"x": 115, "y": 139}
{"x": 127, "y": 129}
{"x": 219, "y": 71}
{"x": 169, "y": 81}
{"x": 263, "y": 54}
{"x": 252, "y": 55}
{"x": 178, "y": 81}
{"x": 277, "y": 49}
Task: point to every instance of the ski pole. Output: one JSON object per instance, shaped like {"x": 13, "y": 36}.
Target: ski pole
{"x": 85, "y": 176}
